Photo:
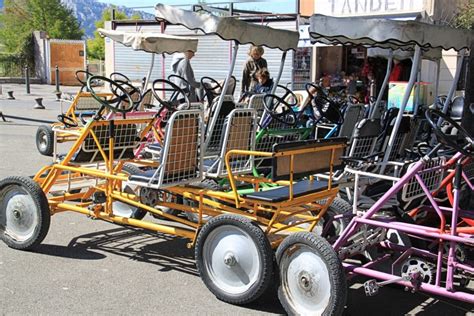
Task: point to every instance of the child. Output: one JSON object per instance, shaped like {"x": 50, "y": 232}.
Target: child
{"x": 265, "y": 84}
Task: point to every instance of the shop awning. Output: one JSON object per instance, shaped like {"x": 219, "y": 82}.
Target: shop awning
{"x": 229, "y": 28}
{"x": 431, "y": 54}
{"x": 152, "y": 42}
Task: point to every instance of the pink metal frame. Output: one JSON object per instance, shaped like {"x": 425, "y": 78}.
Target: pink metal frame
{"x": 442, "y": 235}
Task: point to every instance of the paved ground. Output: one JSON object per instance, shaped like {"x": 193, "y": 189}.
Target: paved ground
{"x": 86, "y": 266}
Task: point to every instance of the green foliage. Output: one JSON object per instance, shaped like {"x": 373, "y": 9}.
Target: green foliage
{"x": 21, "y": 17}
{"x": 465, "y": 17}
{"x": 96, "y": 45}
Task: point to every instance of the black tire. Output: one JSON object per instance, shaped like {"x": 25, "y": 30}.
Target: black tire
{"x": 209, "y": 270}
{"x": 338, "y": 206}
{"x": 204, "y": 184}
{"x": 28, "y": 194}
{"x": 315, "y": 247}
{"x": 45, "y": 140}
{"x": 138, "y": 213}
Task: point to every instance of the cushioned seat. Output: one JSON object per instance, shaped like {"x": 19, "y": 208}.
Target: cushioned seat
{"x": 210, "y": 165}
{"x": 146, "y": 176}
{"x": 155, "y": 147}
{"x": 282, "y": 193}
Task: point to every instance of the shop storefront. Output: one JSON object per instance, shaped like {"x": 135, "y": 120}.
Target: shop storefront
{"x": 339, "y": 65}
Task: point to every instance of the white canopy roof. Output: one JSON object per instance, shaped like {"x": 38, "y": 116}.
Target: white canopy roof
{"x": 432, "y": 54}
{"x": 385, "y": 33}
{"x": 229, "y": 28}
{"x": 152, "y": 42}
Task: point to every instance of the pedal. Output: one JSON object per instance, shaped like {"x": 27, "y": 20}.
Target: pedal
{"x": 371, "y": 287}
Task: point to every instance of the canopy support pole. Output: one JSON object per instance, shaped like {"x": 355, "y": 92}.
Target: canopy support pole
{"x": 384, "y": 85}
{"x": 406, "y": 96}
{"x": 148, "y": 76}
{"x": 438, "y": 69}
{"x": 417, "y": 91}
{"x": 462, "y": 53}
{"x": 282, "y": 65}
{"x": 229, "y": 74}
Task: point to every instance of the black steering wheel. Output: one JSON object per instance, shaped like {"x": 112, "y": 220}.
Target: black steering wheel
{"x": 180, "y": 79}
{"x": 353, "y": 100}
{"x": 328, "y": 109}
{"x": 174, "y": 95}
{"x": 133, "y": 91}
{"x": 122, "y": 102}
{"x": 211, "y": 85}
{"x": 313, "y": 89}
{"x": 117, "y": 76}
{"x": 462, "y": 142}
{"x": 67, "y": 121}
{"x": 86, "y": 75}
{"x": 279, "y": 109}
{"x": 288, "y": 95}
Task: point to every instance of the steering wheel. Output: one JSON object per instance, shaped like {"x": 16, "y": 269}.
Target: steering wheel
{"x": 288, "y": 95}
{"x": 313, "y": 88}
{"x": 87, "y": 74}
{"x": 67, "y": 121}
{"x": 175, "y": 96}
{"x": 353, "y": 100}
{"x": 188, "y": 88}
{"x": 117, "y": 76}
{"x": 279, "y": 109}
{"x": 133, "y": 91}
{"x": 467, "y": 143}
{"x": 211, "y": 85}
{"x": 211, "y": 88}
{"x": 120, "y": 93}
{"x": 328, "y": 109}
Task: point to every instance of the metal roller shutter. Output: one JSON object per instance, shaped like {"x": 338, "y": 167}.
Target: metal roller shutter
{"x": 212, "y": 58}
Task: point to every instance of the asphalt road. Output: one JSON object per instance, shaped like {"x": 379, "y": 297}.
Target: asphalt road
{"x": 88, "y": 266}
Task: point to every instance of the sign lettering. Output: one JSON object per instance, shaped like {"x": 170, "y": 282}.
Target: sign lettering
{"x": 366, "y": 7}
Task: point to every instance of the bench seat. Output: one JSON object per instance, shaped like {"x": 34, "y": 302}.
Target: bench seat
{"x": 282, "y": 193}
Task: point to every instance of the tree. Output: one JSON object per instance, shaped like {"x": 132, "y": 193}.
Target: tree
{"x": 465, "y": 17}
{"x": 96, "y": 45}
{"x": 21, "y": 17}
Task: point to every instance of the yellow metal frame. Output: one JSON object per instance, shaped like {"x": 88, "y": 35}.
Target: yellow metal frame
{"x": 277, "y": 219}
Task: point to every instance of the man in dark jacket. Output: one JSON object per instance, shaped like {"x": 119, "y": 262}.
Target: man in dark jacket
{"x": 252, "y": 65}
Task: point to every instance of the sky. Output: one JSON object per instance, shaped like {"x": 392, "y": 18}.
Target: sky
{"x": 275, "y": 6}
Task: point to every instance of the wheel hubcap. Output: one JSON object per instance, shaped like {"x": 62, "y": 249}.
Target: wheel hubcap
{"x": 21, "y": 214}
{"x": 43, "y": 141}
{"x": 305, "y": 280}
{"x": 231, "y": 259}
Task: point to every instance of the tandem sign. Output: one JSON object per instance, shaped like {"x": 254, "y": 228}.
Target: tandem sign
{"x": 367, "y": 7}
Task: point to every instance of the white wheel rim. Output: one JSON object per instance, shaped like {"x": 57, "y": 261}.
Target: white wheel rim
{"x": 21, "y": 214}
{"x": 305, "y": 280}
{"x": 231, "y": 259}
{"x": 124, "y": 209}
{"x": 43, "y": 141}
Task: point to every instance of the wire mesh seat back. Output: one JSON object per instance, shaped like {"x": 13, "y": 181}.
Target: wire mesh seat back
{"x": 401, "y": 138}
{"x": 239, "y": 134}
{"x": 432, "y": 175}
{"x": 126, "y": 140}
{"x": 85, "y": 102}
{"x": 181, "y": 158}
{"x": 353, "y": 114}
{"x": 364, "y": 138}
{"x": 256, "y": 102}
{"x": 215, "y": 126}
